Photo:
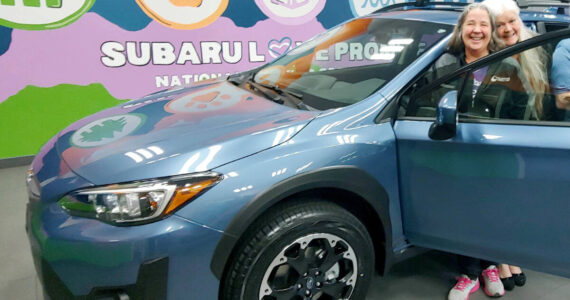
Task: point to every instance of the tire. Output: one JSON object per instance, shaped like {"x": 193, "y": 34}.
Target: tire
{"x": 304, "y": 249}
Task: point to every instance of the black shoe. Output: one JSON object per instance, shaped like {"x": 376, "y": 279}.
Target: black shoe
{"x": 519, "y": 279}
{"x": 508, "y": 283}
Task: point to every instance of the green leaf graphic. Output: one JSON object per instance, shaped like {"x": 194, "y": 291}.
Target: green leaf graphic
{"x": 107, "y": 130}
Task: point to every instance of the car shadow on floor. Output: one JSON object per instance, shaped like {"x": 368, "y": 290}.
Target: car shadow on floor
{"x": 426, "y": 276}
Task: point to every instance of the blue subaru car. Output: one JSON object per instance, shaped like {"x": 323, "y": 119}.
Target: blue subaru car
{"x": 300, "y": 179}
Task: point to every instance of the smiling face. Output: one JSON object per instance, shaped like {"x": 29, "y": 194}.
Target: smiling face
{"x": 508, "y": 27}
{"x": 476, "y": 33}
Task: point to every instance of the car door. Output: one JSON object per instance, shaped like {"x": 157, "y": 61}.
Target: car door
{"x": 498, "y": 189}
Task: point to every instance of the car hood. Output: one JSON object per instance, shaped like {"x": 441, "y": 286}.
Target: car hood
{"x": 178, "y": 131}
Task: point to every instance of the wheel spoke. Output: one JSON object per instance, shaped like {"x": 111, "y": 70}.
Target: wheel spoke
{"x": 335, "y": 289}
{"x": 299, "y": 263}
{"x": 284, "y": 294}
{"x": 330, "y": 259}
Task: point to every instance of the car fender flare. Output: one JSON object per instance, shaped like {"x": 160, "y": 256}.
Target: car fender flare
{"x": 360, "y": 183}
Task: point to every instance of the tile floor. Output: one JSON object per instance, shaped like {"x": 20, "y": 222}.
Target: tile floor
{"x": 427, "y": 276}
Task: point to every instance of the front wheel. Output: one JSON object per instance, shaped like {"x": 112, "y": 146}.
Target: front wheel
{"x": 306, "y": 249}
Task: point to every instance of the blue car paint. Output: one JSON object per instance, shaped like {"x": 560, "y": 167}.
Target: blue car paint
{"x": 263, "y": 147}
{"x": 300, "y": 152}
{"x": 78, "y": 249}
{"x": 485, "y": 162}
{"x": 348, "y": 131}
{"x": 189, "y": 140}
{"x": 54, "y": 176}
{"x": 544, "y": 17}
{"x": 355, "y": 140}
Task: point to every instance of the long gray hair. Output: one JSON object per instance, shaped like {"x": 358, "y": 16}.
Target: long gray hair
{"x": 532, "y": 61}
{"x": 456, "y": 44}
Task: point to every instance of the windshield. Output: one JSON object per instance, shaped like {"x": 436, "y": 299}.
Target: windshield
{"x": 350, "y": 62}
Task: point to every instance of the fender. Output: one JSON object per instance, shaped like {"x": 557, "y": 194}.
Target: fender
{"x": 349, "y": 178}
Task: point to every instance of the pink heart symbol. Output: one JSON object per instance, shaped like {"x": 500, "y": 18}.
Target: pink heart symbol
{"x": 277, "y": 48}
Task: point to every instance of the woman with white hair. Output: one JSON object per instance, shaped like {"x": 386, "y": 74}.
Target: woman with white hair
{"x": 511, "y": 30}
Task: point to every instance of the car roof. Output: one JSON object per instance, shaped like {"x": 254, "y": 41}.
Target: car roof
{"x": 529, "y": 15}
{"x": 432, "y": 16}
{"x": 450, "y": 15}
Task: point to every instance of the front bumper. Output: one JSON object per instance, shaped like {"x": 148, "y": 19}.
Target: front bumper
{"x": 78, "y": 258}
{"x": 151, "y": 283}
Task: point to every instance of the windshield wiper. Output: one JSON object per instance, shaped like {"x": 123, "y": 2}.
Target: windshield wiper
{"x": 293, "y": 97}
{"x": 267, "y": 92}
{"x": 238, "y": 79}
{"x": 281, "y": 90}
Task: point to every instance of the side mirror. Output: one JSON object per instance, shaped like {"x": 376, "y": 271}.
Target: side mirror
{"x": 445, "y": 124}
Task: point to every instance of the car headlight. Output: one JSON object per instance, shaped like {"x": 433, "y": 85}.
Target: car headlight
{"x": 32, "y": 183}
{"x": 138, "y": 202}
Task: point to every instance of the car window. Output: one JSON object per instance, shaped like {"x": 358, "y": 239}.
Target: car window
{"x": 421, "y": 101}
{"x": 350, "y": 62}
{"x": 518, "y": 88}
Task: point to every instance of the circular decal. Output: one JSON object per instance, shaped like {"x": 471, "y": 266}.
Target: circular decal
{"x": 208, "y": 100}
{"x": 184, "y": 14}
{"x": 364, "y": 7}
{"x": 106, "y": 130}
{"x": 32, "y": 15}
{"x": 291, "y": 12}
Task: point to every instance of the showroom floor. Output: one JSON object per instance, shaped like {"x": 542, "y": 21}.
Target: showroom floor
{"x": 427, "y": 276}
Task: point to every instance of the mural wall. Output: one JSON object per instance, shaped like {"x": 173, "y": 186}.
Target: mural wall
{"x": 65, "y": 59}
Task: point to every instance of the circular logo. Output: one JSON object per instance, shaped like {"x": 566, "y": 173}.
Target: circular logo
{"x": 291, "y": 12}
{"x": 203, "y": 101}
{"x": 31, "y": 15}
{"x": 310, "y": 283}
{"x": 184, "y": 14}
{"x": 364, "y": 7}
{"x": 106, "y": 130}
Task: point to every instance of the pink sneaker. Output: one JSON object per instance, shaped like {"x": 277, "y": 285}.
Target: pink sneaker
{"x": 463, "y": 288}
{"x": 493, "y": 285}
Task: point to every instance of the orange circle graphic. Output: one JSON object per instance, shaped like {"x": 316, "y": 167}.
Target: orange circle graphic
{"x": 164, "y": 20}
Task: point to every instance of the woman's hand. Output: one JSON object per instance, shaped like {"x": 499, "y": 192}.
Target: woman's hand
{"x": 563, "y": 101}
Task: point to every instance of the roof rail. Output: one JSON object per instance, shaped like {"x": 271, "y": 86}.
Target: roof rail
{"x": 531, "y": 3}
{"x": 420, "y": 4}
{"x": 561, "y": 5}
